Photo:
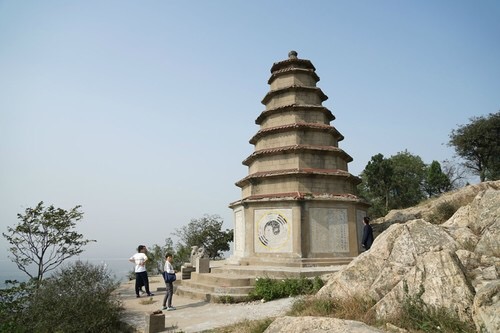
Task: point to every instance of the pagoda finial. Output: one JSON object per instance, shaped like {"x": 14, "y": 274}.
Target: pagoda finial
{"x": 292, "y": 55}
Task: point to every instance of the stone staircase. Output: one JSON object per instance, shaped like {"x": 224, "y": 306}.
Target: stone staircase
{"x": 216, "y": 287}
{"x": 232, "y": 283}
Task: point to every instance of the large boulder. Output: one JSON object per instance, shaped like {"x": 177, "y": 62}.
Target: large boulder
{"x": 455, "y": 265}
{"x": 481, "y": 219}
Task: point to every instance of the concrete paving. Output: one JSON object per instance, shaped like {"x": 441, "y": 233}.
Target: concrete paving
{"x": 192, "y": 315}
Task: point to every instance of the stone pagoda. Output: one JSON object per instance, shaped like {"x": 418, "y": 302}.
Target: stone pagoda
{"x": 299, "y": 204}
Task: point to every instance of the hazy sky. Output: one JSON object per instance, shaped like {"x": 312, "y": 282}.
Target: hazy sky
{"x": 141, "y": 111}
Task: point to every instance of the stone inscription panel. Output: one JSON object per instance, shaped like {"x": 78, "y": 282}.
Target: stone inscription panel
{"x": 273, "y": 230}
{"x": 239, "y": 232}
{"x": 329, "y": 230}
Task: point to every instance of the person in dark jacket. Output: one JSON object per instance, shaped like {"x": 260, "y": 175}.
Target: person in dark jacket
{"x": 367, "y": 239}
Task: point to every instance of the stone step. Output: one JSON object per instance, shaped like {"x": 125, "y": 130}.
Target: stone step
{"x": 294, "y": 263}
{"x": 195, "y": 293}
{"x": 192, "y": 293}
{"x": 273, "y": 272}
{"x": 214, "y": 288}
{"x": 222, "y": 279}
{"x": 232, "y": 283}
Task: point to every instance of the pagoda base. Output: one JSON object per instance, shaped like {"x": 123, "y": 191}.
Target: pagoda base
{"x": 297, "y": 233}
{"x": 290, "y": 262}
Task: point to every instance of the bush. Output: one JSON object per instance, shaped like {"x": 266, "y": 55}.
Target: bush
{"x": 269, "y": 289}
{"x": 13, "y": 301}
{"x": 81, "y": 298}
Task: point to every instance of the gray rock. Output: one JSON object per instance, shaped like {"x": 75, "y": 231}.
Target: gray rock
{"x": 487, "y": 308}
{"x": 318, "y": 325}
{"x": 457, "y": 263}
{"x": 460, "y": 197}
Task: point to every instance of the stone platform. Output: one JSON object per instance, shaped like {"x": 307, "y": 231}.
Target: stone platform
{"x": 227, "y": 282}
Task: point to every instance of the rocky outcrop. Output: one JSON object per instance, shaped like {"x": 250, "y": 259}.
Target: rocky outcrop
{"x": 457, "y": 264}
{"x": 318, "y": 324}
{"x": 426, "y": 210}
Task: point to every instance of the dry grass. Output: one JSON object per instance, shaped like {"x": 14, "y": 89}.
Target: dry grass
{"x": 415, "y": 316}
{"x": 147, "y": 301}
{"x": 354, "y": 308}
{"x": 443, "y": 212}
{"x": 246, "y": 326}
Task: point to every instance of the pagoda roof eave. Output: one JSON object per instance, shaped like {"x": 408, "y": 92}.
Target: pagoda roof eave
{"x": 301, "y": 63}
{"x": 297, "y": 126}
{"x": 284, "y": 71}
{"x": 300, "y": 196}
{"x": 298, "y": 172}
{"x": 293, "y": 107}
{"x": 272, "y": 93}
{"x": 296, "y": 148}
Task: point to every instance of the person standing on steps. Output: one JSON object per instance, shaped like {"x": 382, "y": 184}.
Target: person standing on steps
{"x": 367, "y": 239}
{"x": 169, "y": 269}
{"x": 141, "y": 275}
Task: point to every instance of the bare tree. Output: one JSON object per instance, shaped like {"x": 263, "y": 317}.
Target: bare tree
{"x": 456, "y": 173}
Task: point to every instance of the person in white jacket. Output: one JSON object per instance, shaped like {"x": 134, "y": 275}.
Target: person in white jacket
{"x": 141, "y": 275}
{"x": 167, "y": 300}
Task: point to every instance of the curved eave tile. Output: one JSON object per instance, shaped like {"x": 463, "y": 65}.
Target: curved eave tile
{"x": 273, "y": 93}
{"x": 294, "y": 196}
{"x": 293, "y": 108}
{"x": 297, "y": 126}
{"x": 297, "y": 172}
{"x": 284, "y": 71}
{"x": 295, "y": 149}
{"x": 300, "y": 63}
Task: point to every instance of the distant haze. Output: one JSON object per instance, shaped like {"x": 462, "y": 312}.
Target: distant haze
{"x": 141, "y": 112}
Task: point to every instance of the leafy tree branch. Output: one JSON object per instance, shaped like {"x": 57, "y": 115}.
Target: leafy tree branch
{"x": 45, "y": 238}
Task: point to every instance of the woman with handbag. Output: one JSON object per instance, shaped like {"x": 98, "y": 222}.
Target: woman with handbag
{"x": 169, "y": 276}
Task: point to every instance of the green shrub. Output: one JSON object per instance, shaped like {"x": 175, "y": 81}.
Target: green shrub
{"x": 13, "y": 301}
{"x": 269, "y": 289}
{"x": 80, "y": 298}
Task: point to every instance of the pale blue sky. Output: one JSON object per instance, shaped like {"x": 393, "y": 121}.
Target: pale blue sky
{"x": 141, "y": 111}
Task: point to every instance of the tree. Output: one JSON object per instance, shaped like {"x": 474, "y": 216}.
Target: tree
{"x": 156, "y": 256}
{"x": 393, "y": 183}
{"x": 478, "y": 143}
{"x": 456, "y": 174}
{"x": 407, "y": 179}
{"x": 435, "y": 180}
{"x": 45, "y": 238}
{"x": 182, "y": 255}
{"x": 206, "y": 231}
{"x": 377, "y": 183}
